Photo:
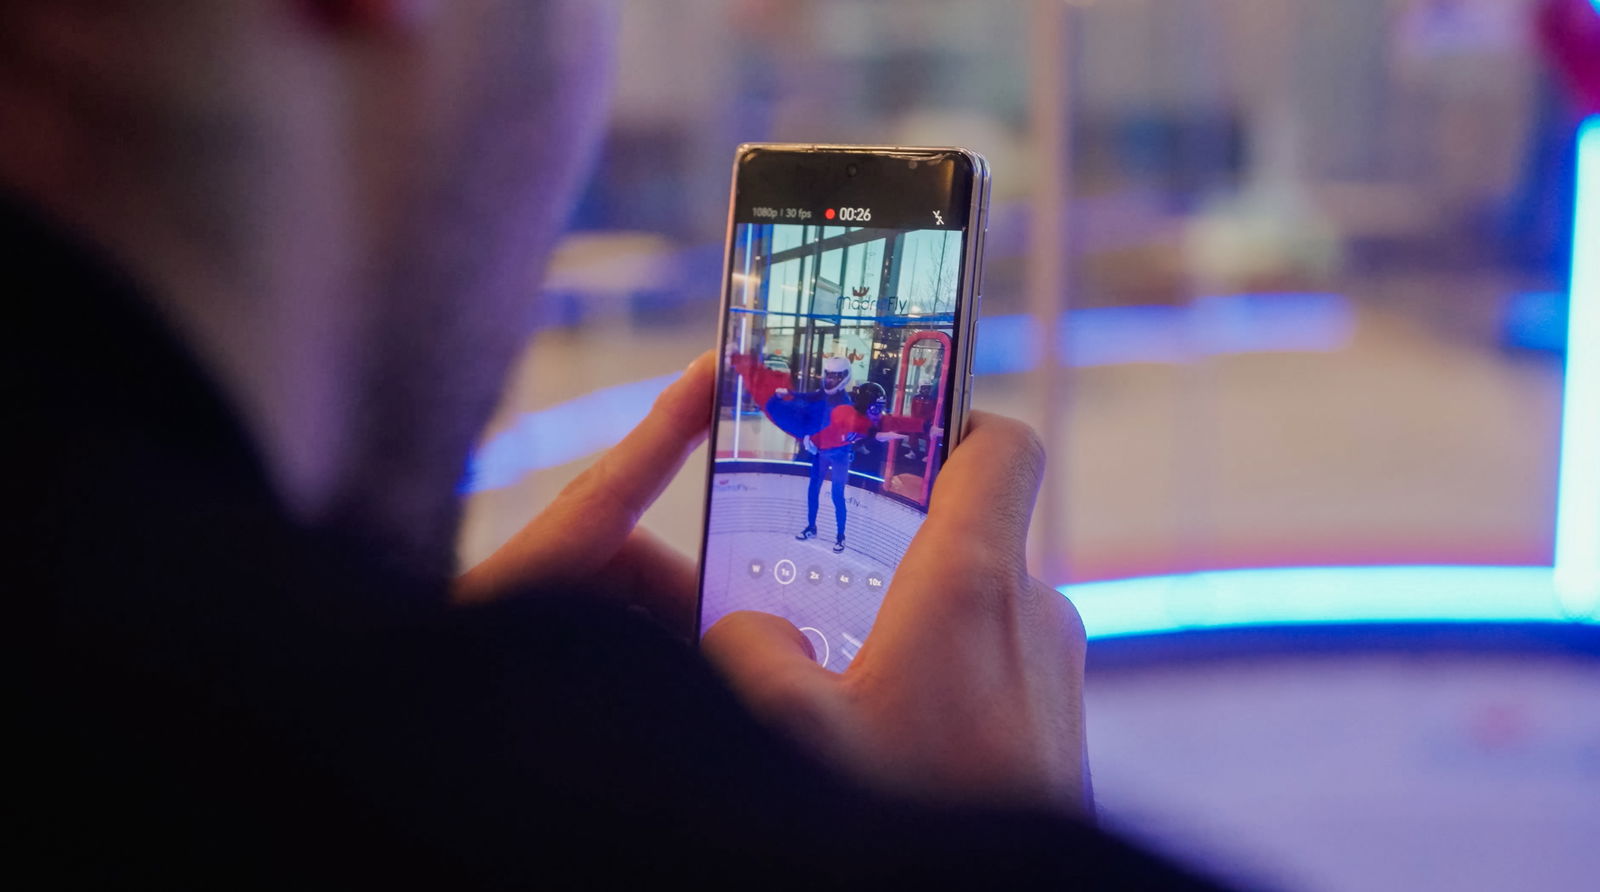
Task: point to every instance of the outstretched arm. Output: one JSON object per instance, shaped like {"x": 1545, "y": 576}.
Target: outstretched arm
{"x": 764, "y": 383}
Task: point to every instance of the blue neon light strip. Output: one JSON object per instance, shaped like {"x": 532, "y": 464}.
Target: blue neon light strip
{"x": 1211, "y": 326}
{"x": 1240, "y": 323}
{"x": 902, "y": 319}
{"x": 1302, "y": 595}
{"x": 562, "y": 433}
{"x": 741, "y": 460}
{"x": 1577, "y": 558}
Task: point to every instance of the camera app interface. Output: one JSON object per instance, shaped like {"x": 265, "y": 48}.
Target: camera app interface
{"x": 837, "y": 372}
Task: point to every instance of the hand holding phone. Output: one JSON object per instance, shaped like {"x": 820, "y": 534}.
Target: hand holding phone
{"x": 971, "y": 686}
{"x": 848, "y": 310}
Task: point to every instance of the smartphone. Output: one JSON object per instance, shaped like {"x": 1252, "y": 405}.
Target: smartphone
{"x": 848, "y": 310}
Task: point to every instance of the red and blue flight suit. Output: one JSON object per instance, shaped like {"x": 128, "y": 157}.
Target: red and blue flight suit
{"x": 825, "y": 421}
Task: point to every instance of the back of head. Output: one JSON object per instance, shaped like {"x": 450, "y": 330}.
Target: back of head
{"x": 341, "y": 206}
{"x": 866, "y": 395}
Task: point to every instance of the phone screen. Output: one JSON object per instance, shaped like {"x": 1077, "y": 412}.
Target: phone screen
{"x": 843, "y": 367}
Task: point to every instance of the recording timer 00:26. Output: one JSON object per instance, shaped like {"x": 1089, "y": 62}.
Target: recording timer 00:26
{"x": 850, "y": 215}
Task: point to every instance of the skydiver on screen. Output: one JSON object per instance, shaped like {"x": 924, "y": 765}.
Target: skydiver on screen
{"x": 827, "y": 422}
{"x": 829, "y": 454}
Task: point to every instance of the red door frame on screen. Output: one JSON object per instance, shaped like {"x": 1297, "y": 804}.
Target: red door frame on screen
{"x": 935, "y": 428}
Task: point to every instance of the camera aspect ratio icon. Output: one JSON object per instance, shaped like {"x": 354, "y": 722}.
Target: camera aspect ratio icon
{"x": 784, "y": 571}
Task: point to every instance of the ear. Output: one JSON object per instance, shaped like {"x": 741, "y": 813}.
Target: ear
{"x": 366, "y": 17}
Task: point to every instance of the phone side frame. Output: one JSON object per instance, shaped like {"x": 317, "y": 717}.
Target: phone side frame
{"x": 969, "y": 307}
{"x": 971, "y": 303}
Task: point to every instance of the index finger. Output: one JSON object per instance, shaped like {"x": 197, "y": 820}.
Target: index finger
{"x": 594, "y": 515}
{"x": 629, "y": 476}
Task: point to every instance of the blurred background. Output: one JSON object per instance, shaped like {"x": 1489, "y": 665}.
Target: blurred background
{"x": 1285, "y": 285}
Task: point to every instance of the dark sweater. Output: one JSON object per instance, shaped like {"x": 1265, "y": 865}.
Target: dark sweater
{"x": 213, "y": 694}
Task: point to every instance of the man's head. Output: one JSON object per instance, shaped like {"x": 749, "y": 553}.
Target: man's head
{"x": 835, "y": 374}
{"x": 869, "y": 400}
{"x": 342, "y": 206}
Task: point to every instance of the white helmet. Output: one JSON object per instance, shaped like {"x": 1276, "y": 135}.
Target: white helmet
{"x": 835, "y": 365}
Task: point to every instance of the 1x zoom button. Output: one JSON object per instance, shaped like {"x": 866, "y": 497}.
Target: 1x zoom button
{"x": 784, "y": 571}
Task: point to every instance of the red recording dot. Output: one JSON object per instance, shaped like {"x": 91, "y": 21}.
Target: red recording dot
{"x": 828, "y": 213}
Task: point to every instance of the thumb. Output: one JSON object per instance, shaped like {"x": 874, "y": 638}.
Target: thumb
{"x": 772, "y": 667}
